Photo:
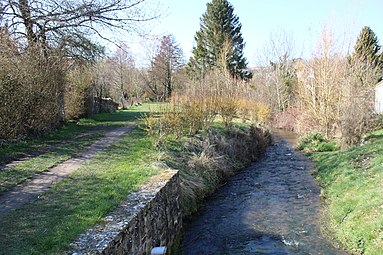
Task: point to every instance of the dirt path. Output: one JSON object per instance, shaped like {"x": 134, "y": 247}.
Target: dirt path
{"x": 273, "y": 207}
{"x": 21, "y": 158}
{"x": 40, "y": 183}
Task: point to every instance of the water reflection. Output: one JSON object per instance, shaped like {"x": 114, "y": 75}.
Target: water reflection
{"x": 289, "y": 136}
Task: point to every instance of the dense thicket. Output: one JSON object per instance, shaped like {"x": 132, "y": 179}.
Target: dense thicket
{"x": 329, "y": 93}
{"x": 31, "y": 92}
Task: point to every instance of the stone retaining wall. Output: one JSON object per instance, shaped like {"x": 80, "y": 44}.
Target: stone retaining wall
{"x": 148, "y": 218}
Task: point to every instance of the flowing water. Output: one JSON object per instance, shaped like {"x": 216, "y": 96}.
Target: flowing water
{"x": 272, "y": 207}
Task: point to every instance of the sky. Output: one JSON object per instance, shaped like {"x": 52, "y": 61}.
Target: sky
{"x": 302, "y": 21}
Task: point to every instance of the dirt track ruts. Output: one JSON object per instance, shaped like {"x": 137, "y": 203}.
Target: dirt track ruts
{"x": 30, "y": 190}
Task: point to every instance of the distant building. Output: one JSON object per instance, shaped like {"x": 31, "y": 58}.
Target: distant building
{"x": 379, "y": 97}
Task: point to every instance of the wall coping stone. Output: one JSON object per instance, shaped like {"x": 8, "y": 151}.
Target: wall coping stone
{"x": 97, "y": 239}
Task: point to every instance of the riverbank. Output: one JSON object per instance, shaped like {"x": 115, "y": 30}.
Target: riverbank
{"x": 352, "y": 186}
{"x": 208, "y": 159}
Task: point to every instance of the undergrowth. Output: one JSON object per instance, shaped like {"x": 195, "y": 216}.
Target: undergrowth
{"x": 316, "y": 142}
{"x": 205, "y": 161}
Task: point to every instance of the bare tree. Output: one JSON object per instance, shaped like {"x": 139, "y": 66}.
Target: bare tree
{"x": 123, "y": 68}
{"x": 69, "y": 24}
{"x": 168, "y": 60}
{"x": 333, "y": 98}
{"x": 277, "y": 79}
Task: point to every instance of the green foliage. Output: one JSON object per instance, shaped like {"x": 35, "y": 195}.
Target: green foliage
{"x": 352, "y": 186}
{"x": 219, "y": 25}
{"x": 315, "y": 142}
{"x": 367, "y": 49}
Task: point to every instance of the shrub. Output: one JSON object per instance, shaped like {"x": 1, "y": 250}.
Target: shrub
{"x": 78, "y": 92}
{"x": 207, "y": 160}
{"x": 31, "y": 92}
{"x": 316, "y": 142}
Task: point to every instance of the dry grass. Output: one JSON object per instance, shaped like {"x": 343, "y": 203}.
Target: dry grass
{"x": 207, "y": 160}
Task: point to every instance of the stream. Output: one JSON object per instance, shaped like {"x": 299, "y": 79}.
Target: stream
{"x": 272, "y": 207}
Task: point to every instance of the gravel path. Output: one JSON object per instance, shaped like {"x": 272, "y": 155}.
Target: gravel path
{"x": 40, "y": 183}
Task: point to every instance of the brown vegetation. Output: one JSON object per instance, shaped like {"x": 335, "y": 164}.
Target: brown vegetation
{"x": 31, "y": 92}
{"x": 329, "y": 93}
{"x": 194, "y": 109}
{"x": 208, "y": 160}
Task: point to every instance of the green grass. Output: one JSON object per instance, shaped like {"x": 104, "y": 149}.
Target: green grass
{"x": 48, "y": 225}
{"x": 63, "y": 144}
{"x": 12, "y": 176}
{"x": 103, "y": 121}
{"x": 11, "y": 150}
{"x": 352, "y": 182}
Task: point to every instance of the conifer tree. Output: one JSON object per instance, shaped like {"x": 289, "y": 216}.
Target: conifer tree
{"x": 367, "y": 49}
{"x": 218, "y": 26}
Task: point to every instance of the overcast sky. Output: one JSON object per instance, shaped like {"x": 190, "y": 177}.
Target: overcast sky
{"x": 302, "y": 20}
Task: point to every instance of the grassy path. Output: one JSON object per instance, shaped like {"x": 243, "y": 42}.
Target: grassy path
{"x": 48, "y": 225}
{"x": 21, "y": 195}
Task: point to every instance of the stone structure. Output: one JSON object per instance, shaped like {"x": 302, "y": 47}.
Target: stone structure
{"x": 148, "y": 218}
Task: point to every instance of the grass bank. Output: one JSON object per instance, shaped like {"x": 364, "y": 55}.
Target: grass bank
{"x": 44, "y": 152}
{"x": 209, "y": 158}
{"x": 352, "y": 182}
{"x": 12, "y": 149}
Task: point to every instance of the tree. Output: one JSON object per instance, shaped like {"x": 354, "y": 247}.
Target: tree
{"x": 367, "y": 49}
{"x": 123, "y": 66}
{"x": 166, "y": 63}
{"x": 68, "y": 25}
{"x": 218, "y": 25}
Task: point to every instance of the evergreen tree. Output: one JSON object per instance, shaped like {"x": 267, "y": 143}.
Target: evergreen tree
{"x": 218, "y": 26}
{"x": 367, "y": 49}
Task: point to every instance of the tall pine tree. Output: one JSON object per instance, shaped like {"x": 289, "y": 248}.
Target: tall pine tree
{"x": 367, "y": 49}
{"x": 218, "y": 26}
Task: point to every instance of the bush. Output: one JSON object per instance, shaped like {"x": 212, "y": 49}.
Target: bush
{"x": 205, "y": 161}
{"x": 316, "y": 142}
{"x": 31, "y": 92}
{"x": 78, "y": 95}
